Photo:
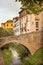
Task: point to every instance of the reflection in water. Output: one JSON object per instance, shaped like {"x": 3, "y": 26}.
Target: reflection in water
{"x": 15, "y": 58}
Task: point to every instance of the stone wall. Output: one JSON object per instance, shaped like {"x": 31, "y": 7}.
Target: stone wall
{"x": 32, "y": 41}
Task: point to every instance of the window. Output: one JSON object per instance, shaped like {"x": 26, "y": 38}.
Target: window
{"x": 11, "y": 24}
{"x": 21, "y": 29}
{"x": 37, "y": 24}
{"x": 28, "y": 29}
{"x": 37, "y": 29}
{"x": 24, "y": 28}
{"x": 26, "y": 18}
{"x": 7, "y": 25}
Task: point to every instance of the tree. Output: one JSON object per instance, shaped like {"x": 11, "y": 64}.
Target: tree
{"x": 10, "y": 31}
{"x": 37, "y": 58}
{"x": 32, "y": 6}
{"x": 3, "y": 32}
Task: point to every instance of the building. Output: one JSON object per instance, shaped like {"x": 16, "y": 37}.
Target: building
{"x": 16, "y": 23}
{"x": 7, "y": 25}
{"x": 39, "y": 22}
{"x": 41, "y": 19}
{"x": 25, "y": 23}
{"x": 30, "y": 22}
{"x": 3, "y": 25}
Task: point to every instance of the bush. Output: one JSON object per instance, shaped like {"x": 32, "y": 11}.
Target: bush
{"x": 26, "y": 61}
{"x": 22, "y": 51}
{"x": 37, "y": 58}
{"x": 7, "y": 56}
{"x": 5, "y": 33}
{"x": 10, "y": 32}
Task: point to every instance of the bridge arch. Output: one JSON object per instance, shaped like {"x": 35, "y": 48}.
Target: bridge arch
{"x": 31, "y": 41}
{"x": 18, "y": 43}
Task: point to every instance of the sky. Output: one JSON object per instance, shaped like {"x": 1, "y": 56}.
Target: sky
{"x": 8, "y": 9}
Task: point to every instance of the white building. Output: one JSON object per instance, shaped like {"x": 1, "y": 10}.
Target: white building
{"x": 27, "y": 23}
{"x": 16, "y": 23}
{"x": 30, "y": 22}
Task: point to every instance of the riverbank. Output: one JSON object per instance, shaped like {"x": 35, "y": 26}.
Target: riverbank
{"x": 26, "y": 58}
{"x": 1, "y": 58}
{"x": 7, "y": 54}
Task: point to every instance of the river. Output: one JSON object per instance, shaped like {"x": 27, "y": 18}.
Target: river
{"x": 15, "y": 58}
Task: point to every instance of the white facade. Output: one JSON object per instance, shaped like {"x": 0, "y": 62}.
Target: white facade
{"x": 16, "y": 27}
{"x": 41, "y": 21}
{"x": 28, "y": 23}
{"x": 31, "y": 23}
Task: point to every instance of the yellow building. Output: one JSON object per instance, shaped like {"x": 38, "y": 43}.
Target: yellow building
{"x": 7, "y": 25}
{"x": 3, "y": 25}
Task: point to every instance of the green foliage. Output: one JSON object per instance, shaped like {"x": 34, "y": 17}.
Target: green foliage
{"x": 4, "y": 33}
{"x": 20, "y": 49}
{"x": 32, "y": 6}
{"x": 7, "y": 56}
{"x": 37, "y": 58}
{"x": 26, "y": 61}
{"x": 23, "y": 52}
{"x": 10, "y": 31}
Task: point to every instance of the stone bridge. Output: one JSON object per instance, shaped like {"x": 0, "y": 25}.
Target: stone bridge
{"x": 32, "y": 41}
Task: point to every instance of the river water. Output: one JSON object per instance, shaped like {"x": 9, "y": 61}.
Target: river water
{"x": 15, "y": 58}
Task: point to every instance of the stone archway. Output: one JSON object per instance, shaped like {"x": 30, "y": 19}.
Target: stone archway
{"x": 17, "y": 44}
{"x": 31, "y": 41}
